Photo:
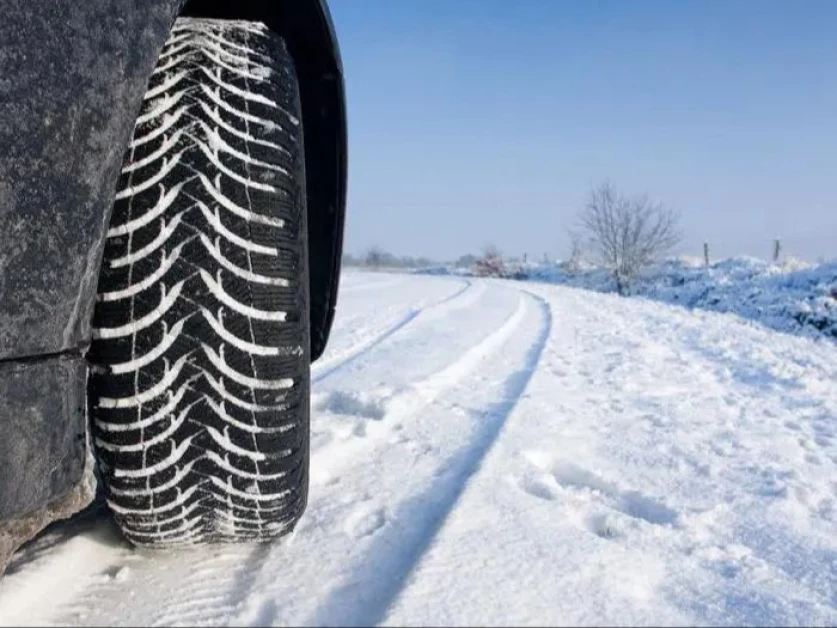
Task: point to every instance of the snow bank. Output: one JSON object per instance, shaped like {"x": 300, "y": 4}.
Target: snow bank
{"x": 792, "y": 296}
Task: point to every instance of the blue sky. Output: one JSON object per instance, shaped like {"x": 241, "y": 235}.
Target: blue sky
{"x": 477, "y": 121}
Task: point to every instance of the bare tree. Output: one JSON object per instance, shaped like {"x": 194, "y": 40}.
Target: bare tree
{"x": 573, "y": 264}
{"x": 490, "y": 263}
{"x": 627, "y": 233}
{"x": 375, "y": 257}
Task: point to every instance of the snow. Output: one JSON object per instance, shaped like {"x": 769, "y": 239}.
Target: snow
{"x": 790, "y": 296}
{"x": 498, "y": 452}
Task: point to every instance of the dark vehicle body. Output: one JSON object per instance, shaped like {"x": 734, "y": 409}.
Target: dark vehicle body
{"x": 72, "y": 78}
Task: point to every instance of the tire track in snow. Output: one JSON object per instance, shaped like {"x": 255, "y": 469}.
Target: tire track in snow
{"x": 402, "y": 549}
{"x": 206, "y": 596}
{"x": 410, "y": 401}
{"x": 70, "y": 558}
{"x": 395, "y": 536}
{"x": 187, "y": 587}
{"x": 324, "y": 368}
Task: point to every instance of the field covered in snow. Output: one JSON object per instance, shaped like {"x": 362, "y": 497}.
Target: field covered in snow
{"x": 499, "y": 452}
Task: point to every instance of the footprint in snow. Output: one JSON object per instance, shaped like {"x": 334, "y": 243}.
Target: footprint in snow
{"x": 364, "y": 521}
{"x": 606, "y": 526}
{"x": 556, "y": 475}
{"x": 352, "y": 403}
{"x": 536, "y": 487}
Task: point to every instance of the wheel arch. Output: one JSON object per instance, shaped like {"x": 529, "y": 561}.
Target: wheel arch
{"x": 308, "y": 30}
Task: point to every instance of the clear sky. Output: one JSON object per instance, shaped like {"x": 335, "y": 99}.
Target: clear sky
{"x": 477, "y": 121}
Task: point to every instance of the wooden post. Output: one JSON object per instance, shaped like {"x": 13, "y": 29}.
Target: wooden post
{"x": 706, "y": 254}
{"x": 777, "y": 249}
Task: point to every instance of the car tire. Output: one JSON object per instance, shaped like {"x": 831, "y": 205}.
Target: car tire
{"x": 200, "y": 362}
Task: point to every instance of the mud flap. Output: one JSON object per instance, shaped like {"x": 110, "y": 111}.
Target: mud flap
{"x": 46, "y": 470}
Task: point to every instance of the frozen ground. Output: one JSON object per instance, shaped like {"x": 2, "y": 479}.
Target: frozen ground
{"x": 488, "y": 452}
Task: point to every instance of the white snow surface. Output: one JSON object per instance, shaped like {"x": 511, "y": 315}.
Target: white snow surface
{"x": 490, "y": 452}
{"x": 791, "y": 296}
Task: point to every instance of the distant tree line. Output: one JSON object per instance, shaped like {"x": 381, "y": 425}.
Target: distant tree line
{"x": 377, "y": 258}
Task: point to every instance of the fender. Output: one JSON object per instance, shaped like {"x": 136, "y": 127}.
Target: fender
{"x": 72, "y": 78}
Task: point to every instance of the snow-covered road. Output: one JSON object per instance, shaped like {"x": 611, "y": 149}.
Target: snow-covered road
{"x": 489, "y": 452}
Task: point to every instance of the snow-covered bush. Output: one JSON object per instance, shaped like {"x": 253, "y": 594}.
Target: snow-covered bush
{"x": 490, "y": 263}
